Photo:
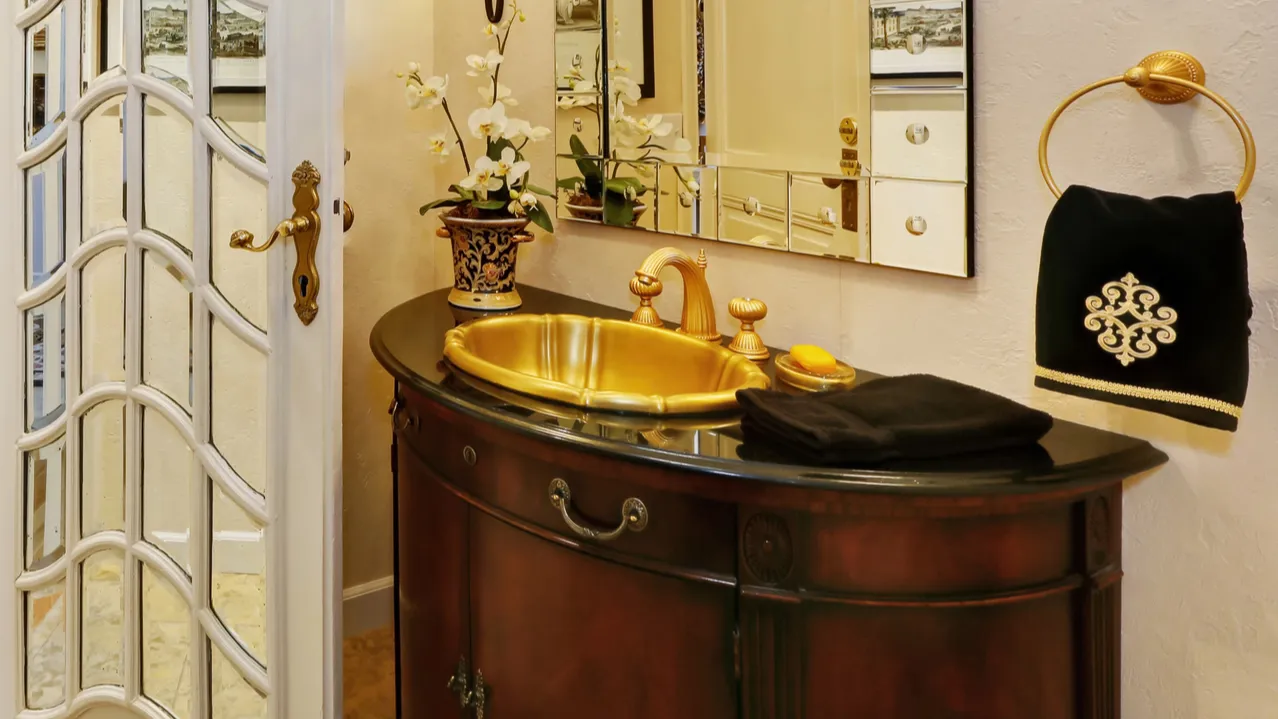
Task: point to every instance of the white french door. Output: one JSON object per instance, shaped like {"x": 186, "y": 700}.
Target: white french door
{"x": 174, "y": 400}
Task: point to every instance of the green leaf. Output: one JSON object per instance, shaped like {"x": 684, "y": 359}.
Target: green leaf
{"x": 618, "y": 210}
{"x": 589, "y": 168}
{"x": 489, "y": 204}
{"x": 463, "y": 192}
{"x": 578, "y": 147}
{"x": 538, "y": 190}
{"x": 568, "y": 183}
{"x": 495, "y": 148}
{"x": 595, "y": 186}
{"x": 446, "y": 202}
{"x": 621, "y": 184}
{"x": 541, "y": 217}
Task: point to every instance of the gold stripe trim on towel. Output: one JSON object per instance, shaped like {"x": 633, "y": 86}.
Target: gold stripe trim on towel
{"x": 1128, "y": 390}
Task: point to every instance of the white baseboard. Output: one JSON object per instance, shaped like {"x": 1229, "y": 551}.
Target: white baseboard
{"x": 368, "y": 606}
{"x": 233, "y": 552}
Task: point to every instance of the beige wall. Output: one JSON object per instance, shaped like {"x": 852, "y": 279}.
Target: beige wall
{"x": 388, "y": 253}
{"x": 1200, "y": 633}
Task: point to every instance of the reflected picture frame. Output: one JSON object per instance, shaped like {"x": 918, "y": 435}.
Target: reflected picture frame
{"x": 920, "y": 38}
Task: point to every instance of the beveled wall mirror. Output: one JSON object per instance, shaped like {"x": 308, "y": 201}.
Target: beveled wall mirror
{"x": 836, "y": 128}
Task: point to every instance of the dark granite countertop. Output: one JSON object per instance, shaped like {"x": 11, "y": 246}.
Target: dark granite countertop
{"x": 409, "y": 342}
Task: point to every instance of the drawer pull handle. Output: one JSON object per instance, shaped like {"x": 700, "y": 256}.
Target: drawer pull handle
{"x": 918, "y": 133}
{"x": 634, "y": 515}
{"x": 916, "y": 225}
{"x": 401, "y": 417}
{"x": 468, "y": 454}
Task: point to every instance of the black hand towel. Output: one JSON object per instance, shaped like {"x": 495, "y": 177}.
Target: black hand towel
{"x": 1144, "y": 303}
{"x": 911, "y": 417}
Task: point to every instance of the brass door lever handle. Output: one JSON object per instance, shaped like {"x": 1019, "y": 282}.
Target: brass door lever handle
{"x": 304, "y": 227}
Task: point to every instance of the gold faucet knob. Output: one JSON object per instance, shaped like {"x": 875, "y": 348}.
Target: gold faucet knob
{"x": 645, "y": 287}
{"x": 748, "y": 342}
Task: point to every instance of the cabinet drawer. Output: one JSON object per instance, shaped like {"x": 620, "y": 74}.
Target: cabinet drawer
{"x": 511, "y": 474}
{"x": 919, "y": 226}
{"x": 920, "y": 135}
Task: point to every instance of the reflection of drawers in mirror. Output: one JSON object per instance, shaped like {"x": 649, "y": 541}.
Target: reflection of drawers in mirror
{"x": 919, "y": 134}
{"x": 921, "y": 225}
{"x": 797, "y": 115}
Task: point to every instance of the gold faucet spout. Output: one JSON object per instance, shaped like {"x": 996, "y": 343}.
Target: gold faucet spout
{"x": 698, "y": 307}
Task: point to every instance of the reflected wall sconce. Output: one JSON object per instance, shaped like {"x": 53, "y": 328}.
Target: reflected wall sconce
{"x": 494, "y": 10}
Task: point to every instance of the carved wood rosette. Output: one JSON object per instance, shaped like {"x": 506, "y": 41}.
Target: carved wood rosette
{"x": 771, "y": 633}
{"x": 1102, "y": 605}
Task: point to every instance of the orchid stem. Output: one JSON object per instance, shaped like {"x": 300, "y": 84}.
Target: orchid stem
{"x": 448, "y": 113}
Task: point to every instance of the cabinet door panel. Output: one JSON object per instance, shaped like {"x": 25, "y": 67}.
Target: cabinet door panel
{"x": 561, "y": 635}
{"x": 434, "y": 616}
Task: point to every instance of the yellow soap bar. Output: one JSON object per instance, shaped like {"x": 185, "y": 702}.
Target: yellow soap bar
{"x": 814, "y": 359}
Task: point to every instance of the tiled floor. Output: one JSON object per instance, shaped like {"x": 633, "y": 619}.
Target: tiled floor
{"x": 370, "y": 675}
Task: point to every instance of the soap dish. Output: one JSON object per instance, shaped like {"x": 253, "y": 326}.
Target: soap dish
{"x": 792, "y": 373}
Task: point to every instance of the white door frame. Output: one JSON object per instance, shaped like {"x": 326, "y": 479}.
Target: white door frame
{"x": 303, "y": 507}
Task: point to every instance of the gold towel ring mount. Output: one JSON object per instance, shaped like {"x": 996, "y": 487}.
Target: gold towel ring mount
{"x": 1168, "y": 78}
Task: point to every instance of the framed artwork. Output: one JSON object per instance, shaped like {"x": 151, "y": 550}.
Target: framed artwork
{"x": 578, "y": 14}
{"x": 238, "y": 47}
{"x": 918, "y": 39}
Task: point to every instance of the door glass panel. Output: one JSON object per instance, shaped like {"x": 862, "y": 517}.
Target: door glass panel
{"x": 46, "y": 217}
{"x": 102, "y": 468}
{"x": 166, "y": 488}
{"x": 238, "y": 86}
{"x": 102, "y": 319}
{"x": 102, "y": 619}
{"x": 46, "y": 376}
{"x": 166, "y": 644}
{"x": 102, "y": 38}
{"x": 166, "y": 329}
{"x": 164, "y": 42}
{"x": 46, "y": 76}
{"x": 45, "y": 489}
{"x": 239, "y": 574}
{"x": 239, "y": 203}
{"x": 232, "y": 696}
{"x": 46, "y": 647}
{"x": 238, "y": 395}
{"x": 103, "y": 171}
{"x": 168, "y": 179}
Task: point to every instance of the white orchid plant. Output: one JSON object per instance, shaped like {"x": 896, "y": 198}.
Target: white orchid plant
{"x": 496, "y": 185}
{"x": 636, "y": 144}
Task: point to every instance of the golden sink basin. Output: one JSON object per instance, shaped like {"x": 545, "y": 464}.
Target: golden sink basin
{"x": 602, "y": 364}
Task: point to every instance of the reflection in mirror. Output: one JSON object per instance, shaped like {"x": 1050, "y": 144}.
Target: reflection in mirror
{"x": 166, "y": 645}
{"x": 237, "y": 385}
{"x": 239, "y": 574}
{"x": 46, "y": 76}
{"x": 46, "y": 217}
{"x": 914, "y": 222}
{"x": 232, "y": 695}
{"x": 166, "y": 487}
{"x": 46, "y": 668}
{"x": 168, "y": 177}
{"x": 164, "y": 42}
{"x": 581, "y": 187}
{"x": 238, "y": 63}
{"x": 103, "y": 38}
{"x": 166, "y": 330}
{"x": 102, "y": 619}
{"x": 46, "y": 484}
{"x": 797, "y": 106}
{"x": 102, "y": 318}
{"x": 827, "y": 216}
{"x": 46, "y": 373}
{"x": 752, "y": 207}
{"x": 102, "y": 468}
{"x": 238, "y": 202}
{"x": 103, "y": 168}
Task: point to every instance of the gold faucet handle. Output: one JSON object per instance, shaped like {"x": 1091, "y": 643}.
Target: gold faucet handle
{"x": 645, "y": 287}
{"x": 748, "y": 343}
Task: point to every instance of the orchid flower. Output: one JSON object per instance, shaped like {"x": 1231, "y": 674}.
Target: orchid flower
{"x": 504, "y": 95}
{"x": 434, "y": 90}
{"x": 488, "y": 122}
{"x": 439, "y": 146}
{"x": 413, "y": 96}
{"x": 483, "y": 65}
{"x": 484, "y": 179}
{"x": 521, "y": 205}
{"x": 511, "y": 167}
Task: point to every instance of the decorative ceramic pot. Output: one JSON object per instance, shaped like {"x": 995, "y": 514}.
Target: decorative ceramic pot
{"x": 484, "y": 257}
{"x": 595, "y": 214}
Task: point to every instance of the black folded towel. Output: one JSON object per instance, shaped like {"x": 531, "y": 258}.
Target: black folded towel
{"x": 910, "y": 417}
{"x": 1144, "y": 303}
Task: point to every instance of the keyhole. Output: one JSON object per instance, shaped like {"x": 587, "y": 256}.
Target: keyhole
{"x": 303, "y": 283}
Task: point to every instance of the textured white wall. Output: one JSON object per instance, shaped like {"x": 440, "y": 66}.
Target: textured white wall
{"x": 388, "y": 258}
{"x": 1200, "y": 637}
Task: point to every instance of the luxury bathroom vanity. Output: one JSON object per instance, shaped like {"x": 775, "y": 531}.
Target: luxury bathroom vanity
{"x": 556, "y": 563}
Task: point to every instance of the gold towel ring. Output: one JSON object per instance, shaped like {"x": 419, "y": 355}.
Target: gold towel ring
{"x": 1168, "y": 78}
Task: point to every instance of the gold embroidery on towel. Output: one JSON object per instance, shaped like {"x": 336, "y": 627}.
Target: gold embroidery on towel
{"x": 1127, "y": 390}
{"x": 1128, "y": 298}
